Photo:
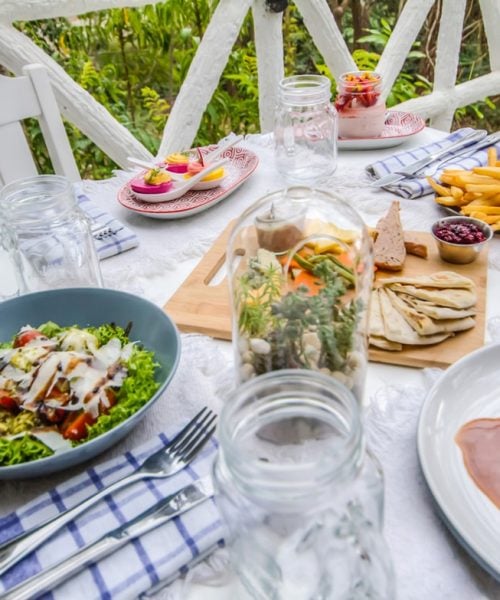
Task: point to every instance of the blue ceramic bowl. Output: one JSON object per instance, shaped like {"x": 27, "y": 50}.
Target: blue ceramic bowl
{"x": 86, "y": 307}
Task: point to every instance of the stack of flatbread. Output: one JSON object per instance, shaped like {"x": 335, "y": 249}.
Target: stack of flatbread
{"x": 420, "y": 310}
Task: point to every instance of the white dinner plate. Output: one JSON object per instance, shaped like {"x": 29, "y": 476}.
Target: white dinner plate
{"x": 470, "y": 389}
{"x": 242, "y": 163}
{"x": 399, "y": 127}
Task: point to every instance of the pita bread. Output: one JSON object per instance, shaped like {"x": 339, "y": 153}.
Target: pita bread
{"x": 454, "y": 298}
{"x": 397, "y": 328}
{"x": 381, "y": 342}
{"x": 441, "y": 279}
{"x": 437, "y": 312}
{"x": 376, "y": 322}
{"x": 423, "y": 324}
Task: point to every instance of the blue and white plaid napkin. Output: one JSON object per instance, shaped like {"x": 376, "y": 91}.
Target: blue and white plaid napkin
{"x": 119, "y": 241}
{"x": 415, "y": 188}
{"x": 141, "y": 563}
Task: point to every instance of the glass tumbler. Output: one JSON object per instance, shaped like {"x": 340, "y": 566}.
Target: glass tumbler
{"x": 46, "y": 237}
{"x": 300, "y": 269}
{"x": 301, "y": 495}
{"x": 305, "y": 131}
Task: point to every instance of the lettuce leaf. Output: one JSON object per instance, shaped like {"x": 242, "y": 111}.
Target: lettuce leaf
{"x": 137, "y": 389}
{"x": 20, "y": 450}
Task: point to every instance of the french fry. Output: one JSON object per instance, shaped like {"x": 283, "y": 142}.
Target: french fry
{"x": 440, "y": 189}
{"x": 492, "y": 156}
{"x": 446, "y": 200}
{"x": 457, "y": 192}
{"x": 489, "y": 171}
{"x": 480, "y": 187}
{"x": 461, "y": 179}
{"x": 487, "y": 210}
{"x": 490, "y": 219}
{"x": 471, "y": 196}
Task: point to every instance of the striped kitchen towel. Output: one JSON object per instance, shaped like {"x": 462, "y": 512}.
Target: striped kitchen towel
{"x": 121, "y": 237}
{"x": 416, "y": 188}
{"x": 140, "y": 564}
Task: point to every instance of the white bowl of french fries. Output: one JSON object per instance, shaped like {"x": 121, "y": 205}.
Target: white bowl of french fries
{"x": 473, "y": 193}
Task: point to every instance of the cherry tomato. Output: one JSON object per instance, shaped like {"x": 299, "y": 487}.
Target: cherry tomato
{"x": 25, "y": 337}
{"x": 76, "y": 428}
{"x": 7, "y": 401}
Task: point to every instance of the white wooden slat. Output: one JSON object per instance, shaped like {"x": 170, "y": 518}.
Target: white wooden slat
{"x": 490, "y": 10}
{"x": 447, "y": 56}
{"x": 399, "y": 45}
{"x": 17, "y": 101}
{"x": 16, "y": 160}
{"x": 203, "y": 76}
{"x": 269, "y": 47}
{"x": 30, "y": 10}
{"x": 462, "y": 95}
{"x": 51, "y": 124}
{"x": 76, "y": 104}
{"x": 321, "y": 25}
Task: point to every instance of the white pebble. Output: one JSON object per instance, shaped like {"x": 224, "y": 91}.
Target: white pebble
{"x": 247, "y": 372}
{"x": 260, "y": 346}
{"x": 247, "y": 357}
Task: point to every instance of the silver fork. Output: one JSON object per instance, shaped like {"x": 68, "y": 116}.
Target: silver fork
{"x": 165, "y": 462}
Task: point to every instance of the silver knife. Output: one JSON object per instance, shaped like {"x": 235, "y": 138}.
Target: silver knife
{"x": 188, "y": 497}
{"x": 469, "y": 139}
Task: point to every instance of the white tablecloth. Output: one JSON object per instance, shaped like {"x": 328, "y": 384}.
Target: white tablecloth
{"x": 429, "y": 564}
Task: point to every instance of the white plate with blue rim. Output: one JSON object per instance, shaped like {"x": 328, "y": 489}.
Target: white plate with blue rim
{"x": 468, "y": 390}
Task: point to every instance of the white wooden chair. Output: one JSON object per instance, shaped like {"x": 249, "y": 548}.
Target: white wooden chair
{"x": 31, "y": 95}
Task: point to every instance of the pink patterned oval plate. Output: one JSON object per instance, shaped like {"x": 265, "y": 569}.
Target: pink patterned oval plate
{"x": 399, "y": 126}
{"x": 242, "y": 163}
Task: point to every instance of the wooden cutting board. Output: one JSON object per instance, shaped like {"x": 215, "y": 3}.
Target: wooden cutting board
{"x": 201, "y": 307}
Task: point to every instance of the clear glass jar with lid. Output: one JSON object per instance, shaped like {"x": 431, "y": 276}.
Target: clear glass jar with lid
{"x": 301, "y": 495}
{"x": 46, "y": 235}
{"x": 305, "y": 130}
{"x": 300, "y": 270}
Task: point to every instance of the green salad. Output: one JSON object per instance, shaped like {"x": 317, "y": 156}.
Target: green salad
{"x": 63, "y": 386}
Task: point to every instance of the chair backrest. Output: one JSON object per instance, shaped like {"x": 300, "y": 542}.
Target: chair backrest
{"x": 31, "y": 95}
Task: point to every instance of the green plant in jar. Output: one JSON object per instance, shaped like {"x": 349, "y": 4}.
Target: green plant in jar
{"x": 303, "y": 308}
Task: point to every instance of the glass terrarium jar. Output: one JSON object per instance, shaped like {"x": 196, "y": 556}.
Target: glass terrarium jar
{"x": 361, "y": 109}
{"x": 301, "y": 495}
{"x": 300, "y": 268}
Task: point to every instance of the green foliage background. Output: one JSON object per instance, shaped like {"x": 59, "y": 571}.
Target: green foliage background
{"x": 133, "y": 61}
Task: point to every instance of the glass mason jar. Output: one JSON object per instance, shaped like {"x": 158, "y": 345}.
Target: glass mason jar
{"x": 46, "y": 236}
{"x": 305, "y": 131}
{"x": 361, "y": 109}
{"x": 300, "y": 270}
{"x": 301, "y": 495}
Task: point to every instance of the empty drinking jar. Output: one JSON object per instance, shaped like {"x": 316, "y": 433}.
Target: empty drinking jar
{"x": 305, "y": 130}
{"x": 46, "y": 236}
{"x": 301, "y": 495}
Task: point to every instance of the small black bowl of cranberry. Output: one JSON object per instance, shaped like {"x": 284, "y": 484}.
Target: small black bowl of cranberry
{"x": 460, "y": 239}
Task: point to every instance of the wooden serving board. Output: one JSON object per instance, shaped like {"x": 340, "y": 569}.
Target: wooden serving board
{"x": 200, "y": 307}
